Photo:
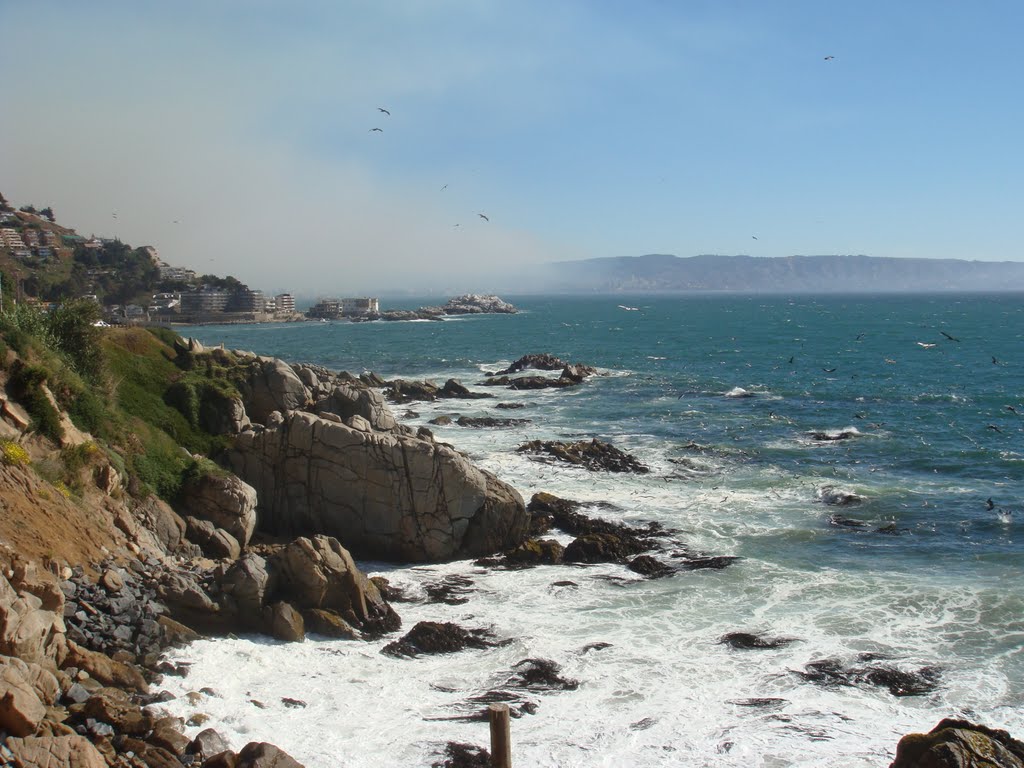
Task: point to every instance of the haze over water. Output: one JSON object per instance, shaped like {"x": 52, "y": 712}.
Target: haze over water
{"x": 921, "y": 574}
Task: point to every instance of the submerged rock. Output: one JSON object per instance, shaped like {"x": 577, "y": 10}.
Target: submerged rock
{"x": 602, "y": 548}
{"x": 459, "y": 755}
{"x": 434, "y": 637}
{"x": 488, "y": 421}
{"x": 828, "y": 437}
{"x": 745, "y": 641}
{"x": 829, "y": 494}
{"x": 900, "y": 683}
{"x": 540, "y": 675}
{"x": 593, "y": 455}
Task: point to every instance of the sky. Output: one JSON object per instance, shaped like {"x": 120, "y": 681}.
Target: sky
{"x": 236, "y": 136}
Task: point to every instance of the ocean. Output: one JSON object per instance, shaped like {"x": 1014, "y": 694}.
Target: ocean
{"x": 923, "y": 575}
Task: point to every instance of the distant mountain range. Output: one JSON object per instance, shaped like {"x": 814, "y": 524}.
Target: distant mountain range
{"x": 662, "y": 273}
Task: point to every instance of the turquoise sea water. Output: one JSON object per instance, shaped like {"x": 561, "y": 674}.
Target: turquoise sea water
{"x": 933, "y": 439}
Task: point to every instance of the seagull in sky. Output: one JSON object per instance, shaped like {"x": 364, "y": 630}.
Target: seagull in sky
{"x": 993, "y": 426}
{"x": 951, "y": 338}
{"x": 924, "y": 345}
{"x": 485, "y": 218}
{"x": 381, "y": 109}
{"x": 443, "y": 188}
{"x": 752, "y": 237}
{"x": 1012, "y": 409}
{"x": 829, "y": 58}
{"x": 381, "y": 130}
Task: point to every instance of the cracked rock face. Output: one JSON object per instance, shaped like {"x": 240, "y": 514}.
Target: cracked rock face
{"x": 386, "y": 495}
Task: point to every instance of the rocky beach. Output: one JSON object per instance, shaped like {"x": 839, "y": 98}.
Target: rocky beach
{"x": 317, "y": 472}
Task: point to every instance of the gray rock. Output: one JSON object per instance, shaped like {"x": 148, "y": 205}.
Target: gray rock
{"x": 225, "y": 500}
{"x": 165, "y": 524}
{"x": 386, "y": 495}
{"x": 319, "y": 573}
{"x": 350, "y": 399}
{"x": 274, "y": 387}
{"x": 207, "y": 744}
{"x": 959, "y": 744}
{"x": 263, "y": 755}
{"x": 248, "y": 581}
{"x": 285, "y": 623}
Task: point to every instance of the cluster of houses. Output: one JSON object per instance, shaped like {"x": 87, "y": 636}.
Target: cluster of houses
{"x": 25, "y": 243}
{"x": 199, "y": 304}
{"x": 207, "y": 305}
{"x": 335, "y": 309}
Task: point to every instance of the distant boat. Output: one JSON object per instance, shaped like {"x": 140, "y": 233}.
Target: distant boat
{"x": 629, "y": 309}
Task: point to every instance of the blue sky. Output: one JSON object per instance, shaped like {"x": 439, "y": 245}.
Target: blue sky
{"x": 581, "y": 129}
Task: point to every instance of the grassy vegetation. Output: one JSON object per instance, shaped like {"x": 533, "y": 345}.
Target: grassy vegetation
{"x": 148, "y": 408}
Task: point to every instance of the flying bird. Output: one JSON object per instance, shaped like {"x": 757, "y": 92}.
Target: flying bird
{"x": 483, "y": 217}
{"x": 990, "y": 505}
{"x": 753, "y": 238}
{"x": 443, "y": 188}
{"x": 829, "y": 370}
{"x": 859, "y": 337}
{"x": 829, "y": 58}
{"x": 951, "y": 338}
{"x": 993, "y": 426}
{"x": 994, "y": 361}
{"x": 1012, "y": 409}
{"x": 381, "y": 109}
{"x": 924, "y": 345}
{"x": 381, "y": 130}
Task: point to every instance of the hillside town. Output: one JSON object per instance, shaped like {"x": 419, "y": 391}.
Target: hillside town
{"x": 44, "y": 264}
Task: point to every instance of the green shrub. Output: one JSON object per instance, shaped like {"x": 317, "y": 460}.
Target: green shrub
{"x": 166, "y": 335}
{"x": 161, "y": 465}
{"x": 27, "y": 384}
{"x": 183, "y": 397}
{"x": 72, "y": 332}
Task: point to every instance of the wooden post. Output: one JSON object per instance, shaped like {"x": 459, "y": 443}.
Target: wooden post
{"x": 501, "y": 735}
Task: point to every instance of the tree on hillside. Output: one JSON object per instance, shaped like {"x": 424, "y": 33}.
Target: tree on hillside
{"x": 228, "y": 283}
{"x": 47, "y": 213}
{"x": 28, "y": 209}
{"x": 4, "y": 205}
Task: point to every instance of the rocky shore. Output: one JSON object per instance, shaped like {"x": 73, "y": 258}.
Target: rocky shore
{"x": 316, "y": 472}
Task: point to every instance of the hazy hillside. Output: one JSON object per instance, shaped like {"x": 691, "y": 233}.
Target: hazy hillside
{"x": 665, "y": 273}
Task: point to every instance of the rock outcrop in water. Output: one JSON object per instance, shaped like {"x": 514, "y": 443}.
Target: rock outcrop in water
{"x": 594, "y": 455}
{"x": 959, "y": 744}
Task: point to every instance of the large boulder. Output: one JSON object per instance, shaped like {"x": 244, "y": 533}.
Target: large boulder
{"x": 163, "y": 522}
{"x": 248, "y": 582}
{"x": 350, "y": 399}
{"x": 389, "y": 496}
{"x": 959, "y": 744}
{"x": 319, "y": 573}
{"x": 225, "y": 500}
{"x": 274, "y": 386}
{"x": 27, "y": 629}
{"x": 70, "y": 751}
{"x": 263, "y": 755}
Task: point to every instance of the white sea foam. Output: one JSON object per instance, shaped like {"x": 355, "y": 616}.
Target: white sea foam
{"x": 666, "y": 692}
